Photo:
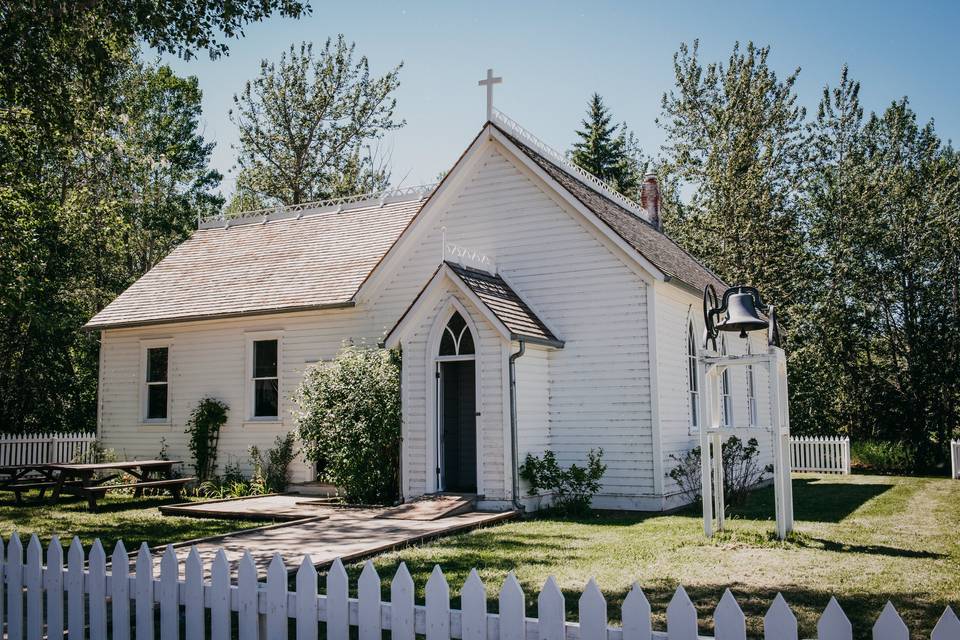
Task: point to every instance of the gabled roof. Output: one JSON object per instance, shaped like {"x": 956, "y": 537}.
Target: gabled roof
{"x": 315, "y": 260}
{"x": 651, "y": 243}
{"x": 502, "y": 306}
{"x": 506, "y": 304}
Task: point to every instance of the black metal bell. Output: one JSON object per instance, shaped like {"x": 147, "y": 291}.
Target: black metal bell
{"x": 742, "y": 313}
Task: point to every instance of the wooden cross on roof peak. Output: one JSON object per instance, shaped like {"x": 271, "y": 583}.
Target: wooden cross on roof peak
{"x": 488, "y": 82}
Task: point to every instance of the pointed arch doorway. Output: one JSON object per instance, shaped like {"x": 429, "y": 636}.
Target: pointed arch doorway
{"x": 456, "y": 408}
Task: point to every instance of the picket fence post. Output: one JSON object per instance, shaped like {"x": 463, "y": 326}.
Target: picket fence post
{"x": 552, "y": 612}
{"x": 120, "y": 591}
{"x": 402, "y": 609}
{"x": 97, "y": 590}
{"x": 473, "y": 601}
{"x": 53, "y": 583}
{"x": 438, "y": 606}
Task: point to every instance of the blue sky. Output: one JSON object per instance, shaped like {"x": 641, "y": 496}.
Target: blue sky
{"x": 552, "y": 56}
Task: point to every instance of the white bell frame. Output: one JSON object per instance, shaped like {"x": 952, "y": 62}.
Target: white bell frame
{"x": 712, "y": 436}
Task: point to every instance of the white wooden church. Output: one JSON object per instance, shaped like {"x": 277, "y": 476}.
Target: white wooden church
{"x": 536, "y": 309}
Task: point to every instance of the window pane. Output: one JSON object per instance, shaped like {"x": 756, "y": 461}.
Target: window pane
{"x": 265, "y": 359}
{"x": 157, "y": 401}
{"x": 466, "y": 343}
{"x": 456, "y": 323}
{"x": 265, "y": 398}
{"x": 157, "y": 364}
{"x": 447, "y": 346}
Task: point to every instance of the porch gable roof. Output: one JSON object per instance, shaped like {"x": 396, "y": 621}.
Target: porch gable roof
{"x": 501, "y": 305}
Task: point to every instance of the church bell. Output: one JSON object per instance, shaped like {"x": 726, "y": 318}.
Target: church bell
{"x": 741, "y": 312}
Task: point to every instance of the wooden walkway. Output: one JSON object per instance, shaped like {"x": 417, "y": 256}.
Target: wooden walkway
{"x": 328, "y": 533}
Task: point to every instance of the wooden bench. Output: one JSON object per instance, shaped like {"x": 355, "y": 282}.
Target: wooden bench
{"x": 174, "y": 485}
{"x": 17, "y": 488}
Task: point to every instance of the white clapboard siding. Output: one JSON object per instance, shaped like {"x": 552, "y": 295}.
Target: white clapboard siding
{"x": 955, "y": 459}
{"x": 44, "y": 448}
{"x": 820, "y": 455}
{"x": 271, "y": 611}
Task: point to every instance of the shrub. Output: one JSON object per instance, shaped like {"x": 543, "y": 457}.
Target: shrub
{"x": 572, "y": 488}
{"x": 272, "y": 475}
{"x": 203, "y": 426}
{"x": 898, "y": 458}
{"x": 741, "y": 471}
{"x": 349, "y": 419}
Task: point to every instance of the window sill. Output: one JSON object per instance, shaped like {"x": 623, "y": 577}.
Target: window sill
{"x": 262, "y": 422}
{"x": 156, "y": 425}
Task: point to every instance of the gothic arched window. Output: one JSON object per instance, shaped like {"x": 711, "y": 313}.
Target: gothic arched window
{"x": 457, "y": 339}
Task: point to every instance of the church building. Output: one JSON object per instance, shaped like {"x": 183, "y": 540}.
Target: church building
{"x": 536, "y": 309}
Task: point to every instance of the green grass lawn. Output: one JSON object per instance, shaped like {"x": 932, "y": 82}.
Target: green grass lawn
{"x": 118, "y": 517}
{"x": 865, "y": 539}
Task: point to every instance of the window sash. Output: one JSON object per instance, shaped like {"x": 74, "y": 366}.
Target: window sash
{"x": 726, "y": 400}
{"x": 265, "y": 378}
{"x": 693, "y": 384}
{"x": 158, "y": 398}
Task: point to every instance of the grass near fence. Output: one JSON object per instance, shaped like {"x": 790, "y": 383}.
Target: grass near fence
{"x": 118, "y": 517}
{"x": 864, "y": 539}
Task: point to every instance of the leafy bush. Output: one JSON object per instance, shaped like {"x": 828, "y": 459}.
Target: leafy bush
{"x": 900, "y": 458}
{"x": 349, "y": 419}
{"x": 741, "y": 471}
{"x": 203, "y": 426}
{"x": 273, "y": 474}
{"x": 572, "y": 488}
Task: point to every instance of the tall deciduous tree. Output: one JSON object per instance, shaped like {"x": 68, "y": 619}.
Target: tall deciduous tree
{"x": 306, "y": 125}
{"x": 884, "y": 208}
{"x": 734, "y": 137}
{"x": 80, "y": 223}
{"x": 98, "y": 174}
{"x": 608, "y": 150}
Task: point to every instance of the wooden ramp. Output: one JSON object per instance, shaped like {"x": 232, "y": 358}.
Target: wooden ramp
{"x": 431, "y": 507}
{"x": 270, "y": 507}
{"x": 348, "y": 534}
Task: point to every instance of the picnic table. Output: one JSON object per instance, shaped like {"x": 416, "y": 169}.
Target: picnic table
{"x": 18, "y": 478}
{"x": 82, "y": 480}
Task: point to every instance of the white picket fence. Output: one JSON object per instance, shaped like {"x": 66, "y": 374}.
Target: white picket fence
{"x": 100, "y": 600}
{"x": 820, "y": 455}
{"x": 955, "y": 459}
{"x": 44, "y": 448}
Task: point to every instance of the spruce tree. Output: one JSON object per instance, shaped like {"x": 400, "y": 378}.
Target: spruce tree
{"x": 607, "y": 150}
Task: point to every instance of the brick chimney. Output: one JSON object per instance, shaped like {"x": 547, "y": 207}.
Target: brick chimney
{"x": 650, "y": 199}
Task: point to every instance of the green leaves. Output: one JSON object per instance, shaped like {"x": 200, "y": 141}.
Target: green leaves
{"x": 307, "y": 124}
{"x": 203, "y": 427}
{"x": 608, "y": 151}
{"x": 571, "y": 489}
{"x": 350, "y": 422}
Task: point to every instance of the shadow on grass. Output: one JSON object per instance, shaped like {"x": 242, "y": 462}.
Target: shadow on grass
{"x": 814, "y": 500}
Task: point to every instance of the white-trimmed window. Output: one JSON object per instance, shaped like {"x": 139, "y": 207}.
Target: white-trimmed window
{"x": 692, "y": 383}
{"x": 155, "y": 374}
{"x": 264, "y": 376}
{"x": 751, "y": 390}
{"x": 726, "y": 401}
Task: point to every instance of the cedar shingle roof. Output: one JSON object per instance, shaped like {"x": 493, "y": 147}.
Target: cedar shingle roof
{"x": 313, "y": 262}
{"x": 652, "y": 244}
{"x": 505, "y": 304}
